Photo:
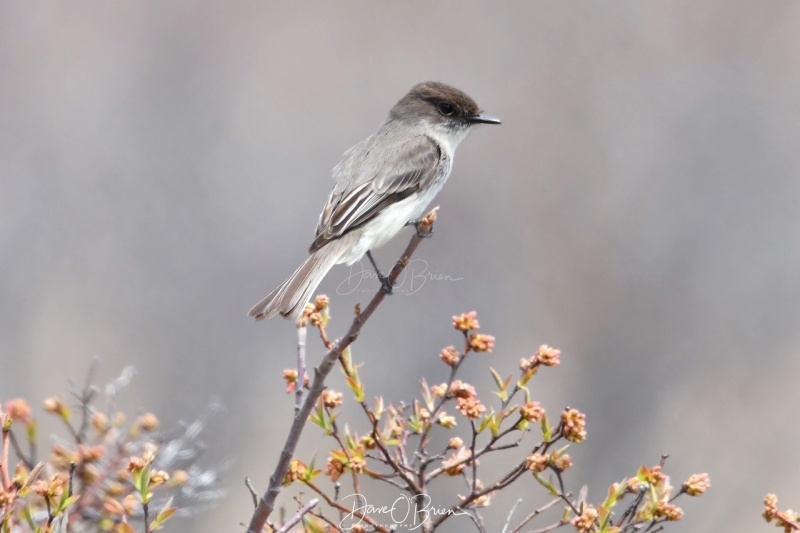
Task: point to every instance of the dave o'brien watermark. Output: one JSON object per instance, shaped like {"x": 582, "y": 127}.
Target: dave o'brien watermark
{"x": 362, "y": 278}
{"x": 407, "y": 512}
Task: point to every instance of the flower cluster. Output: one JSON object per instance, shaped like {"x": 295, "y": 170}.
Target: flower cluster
{"x": 574, "y": 425}
{"x": 584, "y": 522}
{"x": 398, "y": 446}
{"x": 105, "y": 474}
{"x": 788, "y": 520}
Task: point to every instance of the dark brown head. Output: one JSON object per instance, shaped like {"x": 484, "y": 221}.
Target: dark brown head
{"x": 440, "y": 104}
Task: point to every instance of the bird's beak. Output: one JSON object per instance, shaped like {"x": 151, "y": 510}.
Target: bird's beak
{"x": 483, "y": 118}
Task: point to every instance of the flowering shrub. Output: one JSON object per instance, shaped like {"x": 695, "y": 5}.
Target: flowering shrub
{"x": 398, "y": 450}
{"x": 106, "y": 474}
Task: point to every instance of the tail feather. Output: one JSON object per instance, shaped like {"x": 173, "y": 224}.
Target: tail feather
{"x": 291, "y": 297}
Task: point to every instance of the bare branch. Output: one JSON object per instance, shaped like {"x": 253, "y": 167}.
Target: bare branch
{"x": 253, "y": 493}
{"x": 267, "y": 502}
{"x": 298, "y": 516}
{"x": 301, "y": 368}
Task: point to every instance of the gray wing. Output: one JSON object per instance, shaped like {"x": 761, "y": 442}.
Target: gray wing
{"x": 408, "y": 168}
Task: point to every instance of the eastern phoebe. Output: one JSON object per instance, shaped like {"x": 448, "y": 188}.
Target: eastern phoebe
{"x": 382, "y": 183}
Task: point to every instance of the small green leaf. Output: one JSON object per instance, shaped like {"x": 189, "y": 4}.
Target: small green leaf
{"x": 486, "y": 422}
{"x": 141, "y": 480}
{"x": 378, "y": 410}
{"x": 546, "y": 484}
{"x": 547, "y": 430}
{"x": 28, "y": 513}
{"x": 426, "y": 394}
{"x": 497, "y": 379}
{"x": 30, "y": 431}
{"x": 356, "y": 387}
{"x": 312, "y": 526}
{"x": 66, "y": 502}
{"x": 567, "y": 513}
{"x": 349, "y": 442}
{"x": 526, "y": 377}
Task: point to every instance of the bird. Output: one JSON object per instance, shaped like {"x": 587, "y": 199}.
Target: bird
{"x": 382, "y": 184}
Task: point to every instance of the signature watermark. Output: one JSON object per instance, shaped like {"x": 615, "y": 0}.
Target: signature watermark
{"x": 362, "y": 278}
{"x": 406, "y": 512}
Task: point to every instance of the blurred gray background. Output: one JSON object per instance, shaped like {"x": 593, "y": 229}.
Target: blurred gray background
{"x": 162, "y": 167}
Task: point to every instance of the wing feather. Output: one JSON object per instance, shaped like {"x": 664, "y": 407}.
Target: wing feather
{"x": 410, "y": 167}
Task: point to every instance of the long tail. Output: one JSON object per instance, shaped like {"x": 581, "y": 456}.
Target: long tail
{"x": 291, "y": 297}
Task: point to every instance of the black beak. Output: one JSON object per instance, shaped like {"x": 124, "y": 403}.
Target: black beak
{"x": 483, "y": 118}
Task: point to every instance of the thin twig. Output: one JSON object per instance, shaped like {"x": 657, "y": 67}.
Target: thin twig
{"x": 476, "y": 519}
{"x": 298, "y": 516}
{"x": 253, "y": 493}
{"x": 505, "y": 481}
{"x": 552, "y": 526}
{"x": 510, "y": 514}
{"x": 350, "y": 512}
{"x": 534, "y": 514}
{"x": 301, "y": 368}
{"x": 564, "y": 495}
{"x": 28, "y": 460}
{"x": 325, "y": 519}
{"x": 85, "y": 397}
{"x": 4, "y": 471}
{"x": 146, "y": 507}
{"x": 72, "y": 467}
{"x": 474, "y": 459}
{"x": 267, "y": 502}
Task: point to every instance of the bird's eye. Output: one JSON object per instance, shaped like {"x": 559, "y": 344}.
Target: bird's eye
{"x": 446, "y": 108}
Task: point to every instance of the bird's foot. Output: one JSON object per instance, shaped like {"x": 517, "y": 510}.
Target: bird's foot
{"x": 386, "y": 285}
{"x": 418, "y": 226}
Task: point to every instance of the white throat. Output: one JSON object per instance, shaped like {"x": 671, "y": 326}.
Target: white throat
{"x": 447, "y": 138}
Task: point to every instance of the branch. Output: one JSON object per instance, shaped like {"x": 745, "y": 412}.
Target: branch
{"x": 301, "y": 368}
{"x": 533, "y": 515}
{"x": 344, "y": 511}
{"x": 267, "y": 502}
{"x": 4, "y": 466}
{"x": 298, "y": 516}
{"x": 28, "y": 460}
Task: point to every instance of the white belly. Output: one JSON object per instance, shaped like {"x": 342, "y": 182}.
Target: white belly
{"x": 389, "y": 223}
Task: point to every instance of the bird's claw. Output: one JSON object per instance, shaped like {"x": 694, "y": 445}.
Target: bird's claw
{"x": 421, "y": 233}
{"x": 386, "y": 285}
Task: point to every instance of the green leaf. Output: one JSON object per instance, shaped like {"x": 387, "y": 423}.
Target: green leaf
{"x": 356, "y": 387}
{"x": 547, "y": 430}
{"x": 312, "y": 526}
{"x": 546, "y": 484}
{"x": 566, "y": 514}
{"x": 318, "y": 417}
{"x": 604, "y": 515}
{"x": 426, "y": 394}
{"x": 141, "y": 480}
{"x": 162, "y": 517}
{"x": 347, "y": 359}
{"x": 30, "y": 431}
{"x": 28, "y": 513}
{"x": 486, "y": 422}
{"x": 34, "y": 473}
{"x": 526, "y": 377}
{"x": 66, "y": 502}
{"x": 497, "y": 379}
{"x": 378, "y": 410}
{"x": 349, "y": 442}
